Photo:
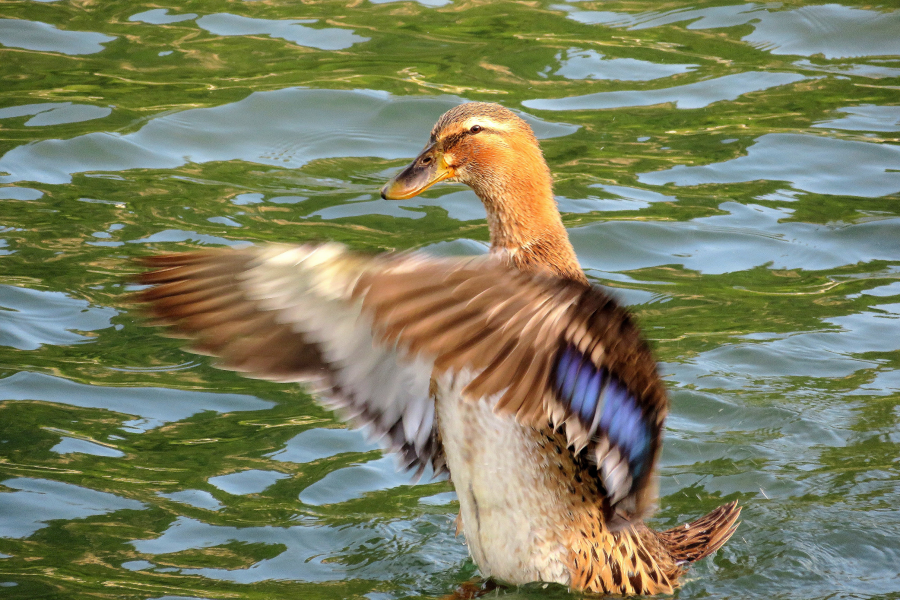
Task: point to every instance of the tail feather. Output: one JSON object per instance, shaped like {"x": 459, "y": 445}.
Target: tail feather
{"x": 692, "y": 541}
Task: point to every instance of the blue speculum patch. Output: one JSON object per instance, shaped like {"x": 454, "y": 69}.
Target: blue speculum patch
{"x": 586, "y": 389}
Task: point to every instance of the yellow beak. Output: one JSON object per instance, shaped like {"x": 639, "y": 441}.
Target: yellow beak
{"x": 423, "y": 172}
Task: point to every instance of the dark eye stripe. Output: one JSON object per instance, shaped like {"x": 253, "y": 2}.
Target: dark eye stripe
{"x": 452, "y": 140}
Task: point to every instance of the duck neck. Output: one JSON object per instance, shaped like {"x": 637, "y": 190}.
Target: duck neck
{"x": 525, "y": 223}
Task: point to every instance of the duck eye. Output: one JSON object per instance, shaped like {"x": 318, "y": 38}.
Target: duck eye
{"x": 475, "y": 128}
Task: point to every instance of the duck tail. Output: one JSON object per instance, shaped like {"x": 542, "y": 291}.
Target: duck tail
{"x": 692, "y": 541}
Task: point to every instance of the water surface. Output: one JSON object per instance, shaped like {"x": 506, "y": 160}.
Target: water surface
{"x": 729, "y": 170}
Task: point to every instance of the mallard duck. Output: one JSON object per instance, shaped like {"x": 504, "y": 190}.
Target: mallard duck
{"x": 532, "y": 388}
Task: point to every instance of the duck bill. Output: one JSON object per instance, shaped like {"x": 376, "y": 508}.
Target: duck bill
{"x": 426, "y": 170}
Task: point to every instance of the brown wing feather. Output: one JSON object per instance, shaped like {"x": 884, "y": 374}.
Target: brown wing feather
{"x": 246, "y": 308}
{"x": 513, "y": 328}
{"x": 554, "y": 350}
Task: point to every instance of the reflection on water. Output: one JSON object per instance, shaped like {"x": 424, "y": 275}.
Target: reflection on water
{"x": 831, "y": 30}
{"x": 39, "y": 501}
{"x": 730, "y": 172}
{"x": 155, "y": 407}
{"x": 692, "y": 95}
{"x": 866, "y": 118}
{"x": 285, "y": 128}
{"x": 55, "y": 113}
{"x": 161, "y": 16}
{"x": 747, "y": 236}
{"x": 814, "y": 164}
{"x": 31, "y": 318}
{"x": 873, "y": 71}
{"x": 589, "y": 64}
{"x": 292, "y": 31}
{"x": 32, "y": 35}
{"x": 69, "y": 445}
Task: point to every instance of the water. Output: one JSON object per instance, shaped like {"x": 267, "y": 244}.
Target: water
{"x": 730, "y": 171}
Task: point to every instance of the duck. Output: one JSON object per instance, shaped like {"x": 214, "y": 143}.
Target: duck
{"x": 532, "y": 388}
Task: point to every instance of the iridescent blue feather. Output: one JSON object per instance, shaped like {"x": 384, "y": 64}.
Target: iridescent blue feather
{"x": 584, "y": 388}
{"x": 579, "y": 395}
{"x": 592, "y": 397}
{"x": 568, "y": 388}
{"x": 562, "y": 370}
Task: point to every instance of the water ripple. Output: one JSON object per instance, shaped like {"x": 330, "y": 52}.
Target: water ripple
{"x": 590, "y": 64}
{"x": 33, "y": 35}
{"x": 293, "y": 31}
{"x": 745, "y": 238}
{"x": 38, "y": 501}
{"x": 691, "y": 95}
{"x": 832, "y": 30}
{"x": 154, "y": 406}
{"x": 814, "y": 164}
{"x": 285, "y": 128}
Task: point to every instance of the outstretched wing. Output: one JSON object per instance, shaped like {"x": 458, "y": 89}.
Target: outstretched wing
{"x": 287, "y": 314}
{"x": 559, "y": 351}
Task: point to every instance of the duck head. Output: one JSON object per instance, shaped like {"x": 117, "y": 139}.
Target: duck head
{"x": 485, "y": 146}
{"x": 493, "y": 151}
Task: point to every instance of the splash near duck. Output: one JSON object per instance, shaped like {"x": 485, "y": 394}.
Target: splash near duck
{"x": 532, "y": 388}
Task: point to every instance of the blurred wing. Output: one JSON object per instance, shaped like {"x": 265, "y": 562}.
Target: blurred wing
{"x": 286, "y": 314}
{"x": 559, "y": 351}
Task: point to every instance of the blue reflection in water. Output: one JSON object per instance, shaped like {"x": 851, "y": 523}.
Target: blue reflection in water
{"x": 845, "y": 340}
{"x": 832, "y": 30}
{"x": 55, "y": 113}
{"x": 692, "y": 95}
{"x": 355, "y": 481}
{"x": 872, "y": 71}
{"x": 38, "y": 501}
{"x": 293, "y": 31}
{"x": 748, "y": 236}
{"x": 196, "y": 498}
{"x": 317, "y": 443}
{"x": 33, "y": 35}
{"x": 590, "y": 64}
{"x": 625, "y": 198}
{"x": 19, "y": 193}
{"x": 312, "y": 552}
{"x": 76, "y": 446}
{"x": 161, "y": 16}
{"x": 428, "y": 3}
{"x": 285, "y": 128}
{"x": 866, "y": 118}
{"x": 700, "y": 18}
{"x": 31, "y": 318}
{"x": 814, "y": 164}
{"x": 154, "y": 406}
{"x": 252, "y": 481}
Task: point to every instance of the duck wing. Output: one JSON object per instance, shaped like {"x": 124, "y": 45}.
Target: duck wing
{"x": 287, "y": 314}
{"x": 551, "y": 351}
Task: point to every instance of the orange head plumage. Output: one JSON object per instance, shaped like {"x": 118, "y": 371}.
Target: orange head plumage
{"x": 494, "y": 151}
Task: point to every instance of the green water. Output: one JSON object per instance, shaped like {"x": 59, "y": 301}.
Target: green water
{"x": 730, "y": 171}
